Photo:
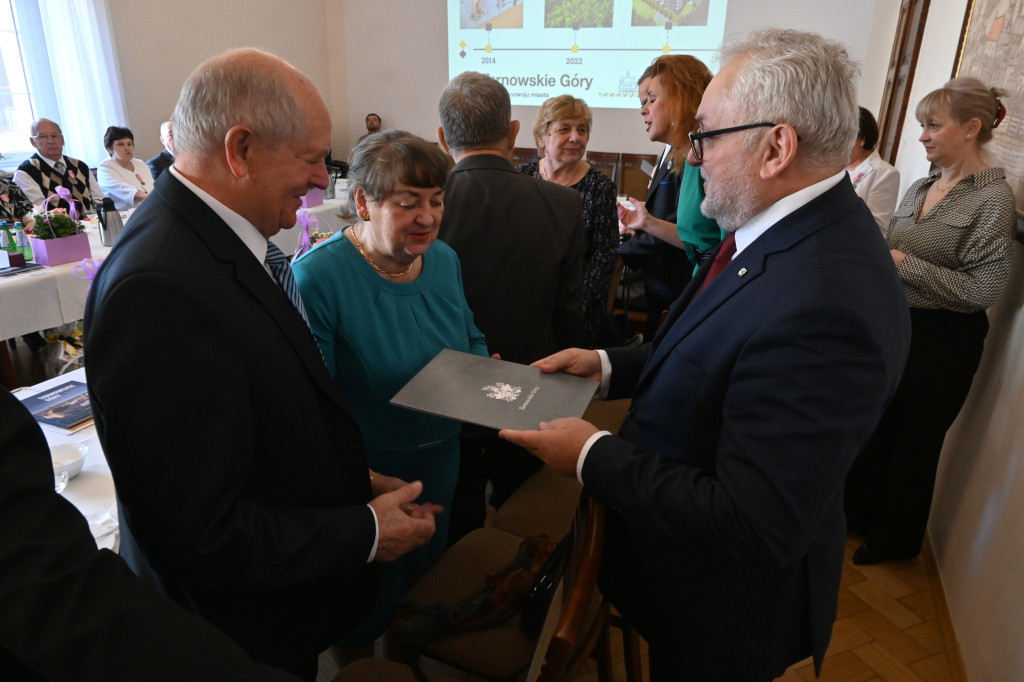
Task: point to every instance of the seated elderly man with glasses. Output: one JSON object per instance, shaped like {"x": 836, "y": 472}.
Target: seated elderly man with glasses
{"x": 41, "y": 174}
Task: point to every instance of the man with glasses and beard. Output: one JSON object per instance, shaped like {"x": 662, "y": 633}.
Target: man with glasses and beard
{"x": 724, "y": 487}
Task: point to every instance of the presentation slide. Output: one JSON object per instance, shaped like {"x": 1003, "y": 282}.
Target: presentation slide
{"x": 591, "y": 49}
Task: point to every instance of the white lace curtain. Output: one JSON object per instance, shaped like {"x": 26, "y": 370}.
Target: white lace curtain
{"x": 86, "y": 78}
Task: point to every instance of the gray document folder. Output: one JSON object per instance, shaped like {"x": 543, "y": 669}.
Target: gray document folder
{"x": 494, "y": 393}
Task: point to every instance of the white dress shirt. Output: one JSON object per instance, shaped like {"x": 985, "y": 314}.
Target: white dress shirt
{"x": 878, "y": 184}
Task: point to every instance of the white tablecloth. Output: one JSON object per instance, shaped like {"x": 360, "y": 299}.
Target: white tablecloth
{"x": 48, "y": 297}
{"x": 92, "y": 490}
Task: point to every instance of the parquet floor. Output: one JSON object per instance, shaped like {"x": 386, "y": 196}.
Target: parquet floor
{"x": 888, "y": 629}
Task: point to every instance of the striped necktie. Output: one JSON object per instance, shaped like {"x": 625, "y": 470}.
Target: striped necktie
{"x": 60, "y": 167}
{"x": 282, "y": 271}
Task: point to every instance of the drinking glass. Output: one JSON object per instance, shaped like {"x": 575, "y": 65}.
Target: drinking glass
{"x": 60, "y": 477}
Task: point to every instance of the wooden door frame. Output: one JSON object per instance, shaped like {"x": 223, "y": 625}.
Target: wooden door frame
{"x": 895, "y": 98}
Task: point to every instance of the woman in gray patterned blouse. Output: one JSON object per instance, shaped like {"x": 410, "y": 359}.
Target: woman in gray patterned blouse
{"x": 951, "y": 240}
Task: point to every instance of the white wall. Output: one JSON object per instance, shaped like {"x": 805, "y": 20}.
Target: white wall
{"x": 159, "y": 43}
{"x": 395, "y": 63}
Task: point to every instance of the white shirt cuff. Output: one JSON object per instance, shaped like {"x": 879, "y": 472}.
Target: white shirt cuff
{"x": 376, "y": 535}
{"x": 606, "y": 375}
{"x": 586, "y": 448}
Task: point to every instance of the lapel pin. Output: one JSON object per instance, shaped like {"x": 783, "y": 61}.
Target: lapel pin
{"x": 742, "y": 272}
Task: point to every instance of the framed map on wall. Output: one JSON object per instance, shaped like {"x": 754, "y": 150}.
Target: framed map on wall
{"x": 992, "y": 50}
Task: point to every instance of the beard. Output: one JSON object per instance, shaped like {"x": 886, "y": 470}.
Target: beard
{"x": 731, "y": 200}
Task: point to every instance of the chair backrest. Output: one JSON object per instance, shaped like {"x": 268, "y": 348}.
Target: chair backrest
{"x": 578, "y": 612}
{"x": 607, "y": 163}
{"x": 521, "y": 155}
{"x": 634, "y": 178}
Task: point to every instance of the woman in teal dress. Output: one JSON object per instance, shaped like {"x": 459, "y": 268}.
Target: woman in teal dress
{"x": 382, "y": 300}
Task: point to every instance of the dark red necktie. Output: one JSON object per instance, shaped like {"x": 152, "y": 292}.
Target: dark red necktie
{"x": 723, "y": 258}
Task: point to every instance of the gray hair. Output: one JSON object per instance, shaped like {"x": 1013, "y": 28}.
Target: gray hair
{"x": 803, "y": 80}
{"x": 236, "y": 88}
{"x": 34, "y": 128}
{"x": 475, "y": 111}
{"x": 383, "y": 160}
{"x": 561, "y": 108}
{"x": 963, "y": 99}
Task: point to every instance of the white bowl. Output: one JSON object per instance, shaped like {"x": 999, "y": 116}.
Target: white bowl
{"x": 70, "y": 456}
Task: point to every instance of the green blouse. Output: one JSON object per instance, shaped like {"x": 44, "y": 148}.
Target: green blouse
{"x": 694, "y": 228}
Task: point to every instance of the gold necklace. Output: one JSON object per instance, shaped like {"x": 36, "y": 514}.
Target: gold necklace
{"x": 545, "y": 174}
{"x": 359, "y": 248}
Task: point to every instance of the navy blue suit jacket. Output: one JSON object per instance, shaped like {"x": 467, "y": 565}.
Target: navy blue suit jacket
{"x": 666, "y": 268}
{"x": 159, "y": 163}
{"x": 726, "y": 532}
{"x": 241, "y": 475}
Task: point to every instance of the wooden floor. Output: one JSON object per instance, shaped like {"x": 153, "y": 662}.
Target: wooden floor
{"x": 891, "y": 626}
{"x": 888, "y": 629}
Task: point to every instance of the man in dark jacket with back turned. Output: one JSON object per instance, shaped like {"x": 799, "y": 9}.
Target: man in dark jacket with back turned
{"x": 520, "y": 244}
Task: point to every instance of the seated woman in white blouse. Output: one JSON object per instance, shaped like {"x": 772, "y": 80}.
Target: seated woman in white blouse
{"x": 875, "y": 181}
{"x": 122, "y": 177}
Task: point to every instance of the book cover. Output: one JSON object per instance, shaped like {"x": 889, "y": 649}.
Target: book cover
{"x": 494, "y": 393}
{"x": 65, "y": 406}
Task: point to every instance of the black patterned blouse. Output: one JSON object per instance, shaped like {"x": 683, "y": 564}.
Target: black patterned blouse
{"x": 601, "y": 230}
{"x": 13, "y": 203}
{"x": 959, "y": 255}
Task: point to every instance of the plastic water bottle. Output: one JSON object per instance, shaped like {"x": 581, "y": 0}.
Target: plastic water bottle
{"x": 6, "y": 240}
{"x": 22, "y": 243}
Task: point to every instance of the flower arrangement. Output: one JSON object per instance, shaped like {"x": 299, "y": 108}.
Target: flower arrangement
{"x": 55, "y": 224}
{"x": 310, "y": 234}
{"x": 317, "y": 237}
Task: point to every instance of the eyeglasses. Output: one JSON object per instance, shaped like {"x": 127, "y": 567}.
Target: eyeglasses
{"x": 47, "y": 138}
{"x": 698, "y": 136}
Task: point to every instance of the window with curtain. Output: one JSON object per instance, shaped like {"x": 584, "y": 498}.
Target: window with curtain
{"x": 58, "y": 62}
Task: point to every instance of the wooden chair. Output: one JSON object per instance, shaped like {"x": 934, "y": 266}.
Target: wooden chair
{"x": 574, "y": 624}
{"x": 521, "y": 155}
{"x": 636, "y": 317}
{"x": 607, "y": 163}
{"x": 634, "y": 178}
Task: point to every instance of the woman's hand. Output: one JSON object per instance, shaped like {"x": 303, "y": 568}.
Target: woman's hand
{"x": 632, "y": 220}
{"x": 897, "y": 256}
